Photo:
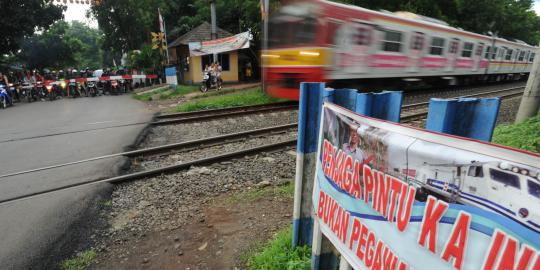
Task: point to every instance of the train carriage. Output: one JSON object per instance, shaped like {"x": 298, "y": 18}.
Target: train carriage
{"x": 348, "y": 45}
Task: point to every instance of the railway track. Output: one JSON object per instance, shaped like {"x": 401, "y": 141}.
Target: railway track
{"x": 171, "y": 149}
{"x": 177, "y": 118}
{"x": 412, "y": 114}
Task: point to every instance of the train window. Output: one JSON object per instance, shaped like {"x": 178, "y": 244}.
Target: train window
{"x": 391, "y": 41}
{"x": 363, "y": 36}
{"x": 494, "y": 52}
{"x": 531, "y": 57}
{"x": 467, "y": 50}
{"x": 505, "y": 178}
{"x": 454, "y": 45}
{"x": 417, "y": 42}
{"x": 521, "y": 56}
{"x": 488, "y": 51}
{"x": 508, "y": 55}
{"x": 479, "y": 49}
{"x": 331, "y": 29}
{"x": 437, "y": 46}
{"x": 534, "y": 188}
{"x": 476, "y": 171}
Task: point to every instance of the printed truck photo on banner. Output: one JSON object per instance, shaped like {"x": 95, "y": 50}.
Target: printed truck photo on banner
{"x": 395, "y": 197}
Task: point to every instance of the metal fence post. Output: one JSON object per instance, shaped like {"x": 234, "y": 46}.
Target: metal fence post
{"x": 467, "y": 117}
{"x": 309, "y": 114}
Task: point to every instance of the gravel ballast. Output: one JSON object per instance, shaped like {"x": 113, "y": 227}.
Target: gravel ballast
{"x": 161, "y": 135}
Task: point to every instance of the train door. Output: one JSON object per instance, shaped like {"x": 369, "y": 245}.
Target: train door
{"x": 361, "y": 43}
{"x": 477, "y": 58}
{"x": 515, "y": 60}
{"x": 475, "y": 183}
{"x": 416, "y": 52}
{"x": 496, "y": 58}
{"x": 452, "y": 54}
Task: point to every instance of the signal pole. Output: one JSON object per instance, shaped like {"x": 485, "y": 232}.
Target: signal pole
{"x": 530, "y": 102}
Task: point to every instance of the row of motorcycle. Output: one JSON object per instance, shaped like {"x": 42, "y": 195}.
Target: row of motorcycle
{"x": 30, "y": 92}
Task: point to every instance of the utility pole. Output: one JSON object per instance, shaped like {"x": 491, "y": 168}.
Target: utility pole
{"x": 530, "y": 102}
{"x": 214, "y": 23}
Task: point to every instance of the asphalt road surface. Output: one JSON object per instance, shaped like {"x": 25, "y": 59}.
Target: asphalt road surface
{"x": 47, "y": 133}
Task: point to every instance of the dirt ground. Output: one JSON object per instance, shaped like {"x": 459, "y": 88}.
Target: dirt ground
{"x": 233, "y": 225}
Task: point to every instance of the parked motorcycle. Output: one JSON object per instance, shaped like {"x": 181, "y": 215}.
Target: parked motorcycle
{"x": 41, "y": 90}
{"x": 115, "y": 87}
{"x": 210, "y": 83}
{"x": 5, "y": 98}
{"x": 124, "y": 85}
{"x": 73, "y": 89}
{"x": 51, "y": 92}
{"x": 92, "y": 89}
{"x": 28, "y": 92}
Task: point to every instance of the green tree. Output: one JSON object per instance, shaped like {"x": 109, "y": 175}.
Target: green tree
{"x": 63, "y": 45}
{"x": 21, "y": 18}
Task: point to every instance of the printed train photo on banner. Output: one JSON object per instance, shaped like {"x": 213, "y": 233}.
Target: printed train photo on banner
{"x": 394, "y": 197}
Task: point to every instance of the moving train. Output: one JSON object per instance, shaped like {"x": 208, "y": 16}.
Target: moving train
{"x": 323, "y": 41}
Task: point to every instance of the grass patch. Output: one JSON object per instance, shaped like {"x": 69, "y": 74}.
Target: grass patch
{"x": 286, "y": 191}
{"x": 80, "y": 262}
{"x": 254, "y": 96}
{"x": 167, "y": 93}
{"x": 525, "y": 135}
{"x": 105, "y": 203}
{"x": 279, "y": 254}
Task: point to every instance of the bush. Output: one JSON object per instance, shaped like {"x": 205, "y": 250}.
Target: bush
{"x": 525, "y": 135}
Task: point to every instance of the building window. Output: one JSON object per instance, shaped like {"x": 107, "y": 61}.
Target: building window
{"x": 392, "y": 41}
{"x": 467, "y": 50}
{"x": 437, "y": 46}
{"x": 508, "y": 54}
{"x": 223, "y": 59}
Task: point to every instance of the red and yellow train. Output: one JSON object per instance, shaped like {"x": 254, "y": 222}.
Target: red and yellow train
{"x": 323, "y": 41}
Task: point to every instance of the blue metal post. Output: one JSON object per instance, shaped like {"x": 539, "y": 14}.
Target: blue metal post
{"x": 385, "y": 105}
{"x": 467, "y": 117}
{"x": 312, "y": 96}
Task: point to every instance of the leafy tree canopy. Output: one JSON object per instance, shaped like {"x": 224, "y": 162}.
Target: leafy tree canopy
{"x": 63, "y": 45}
{"x": 21, "y": 18}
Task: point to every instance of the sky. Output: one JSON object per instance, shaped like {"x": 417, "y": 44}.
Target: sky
{"x": 77, "y": 12}
{"x": 536, "y": 6}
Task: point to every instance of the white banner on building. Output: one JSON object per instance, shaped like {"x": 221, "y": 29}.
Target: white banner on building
{"x": 236, "y": 42}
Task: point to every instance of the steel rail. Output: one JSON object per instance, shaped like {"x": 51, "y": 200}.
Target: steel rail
{"x": 163, "y": 170}
{"x": 407, "y": 106}
{"x": 220, "y": 115}
{"x": 222, "y": 110}
{"x": 164, "y": 148}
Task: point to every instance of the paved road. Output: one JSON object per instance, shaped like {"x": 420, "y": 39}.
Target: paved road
{"x": 47, "y": 133}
